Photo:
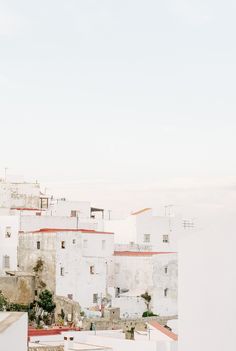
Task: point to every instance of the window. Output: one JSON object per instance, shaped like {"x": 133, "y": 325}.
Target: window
{"x": 92, "y": 270}
{"x": 62, "y": 271}
{"x": 6, "y": 261}
{"x": 165, "y": 238}
{"x": 73, "y": 241}
{"x": 85, "y": 244}
{"x": 117, "y": 292}
{"x": 63, "y": 244}
{"x": 38, "y": 213}
{"x": 73, "y": 213}
{"x": 103, "y": 244}
{"x": 38, "y": 245}
{"x": 8, "y": 232}
{"x": 44, "y": 202}
{"x": 166, "y": 269}
{"x": 95, "y": 298}
{"x": 147, "y": 238}
{"x": 166, "y": 292}
{"x": 36, "y": 292}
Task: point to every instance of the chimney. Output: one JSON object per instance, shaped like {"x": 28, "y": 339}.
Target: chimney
{"x": 68, "y": 342}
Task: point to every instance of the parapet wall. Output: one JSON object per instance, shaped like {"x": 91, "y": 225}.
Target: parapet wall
{"x": 18, "y": 289}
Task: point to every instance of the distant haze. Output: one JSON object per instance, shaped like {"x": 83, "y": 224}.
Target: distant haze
{"x": 125, "y": 103}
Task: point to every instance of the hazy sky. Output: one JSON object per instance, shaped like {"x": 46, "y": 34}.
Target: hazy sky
{"x": 119, "y": 92}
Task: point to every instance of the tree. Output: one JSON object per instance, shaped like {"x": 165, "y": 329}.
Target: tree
{"x": 3, "y": 302}
{"x": 46, "y": 301}
{"x": 147, "y": 299}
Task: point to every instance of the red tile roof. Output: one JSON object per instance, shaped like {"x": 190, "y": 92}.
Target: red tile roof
{"x": 140, "y": 253}
{"x": 164, "y": 330}
{"x": 26, "y": 209}
{"x": 58, "y": 230}
{"x": 141, "y": 211}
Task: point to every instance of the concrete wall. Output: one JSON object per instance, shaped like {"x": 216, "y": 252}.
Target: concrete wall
{"x": 18, "y": 289}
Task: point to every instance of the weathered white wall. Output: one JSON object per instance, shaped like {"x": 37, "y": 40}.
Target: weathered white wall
{"x": 139, "y": 274}
{"x": 207, "y": 290}
{"x": 8, "y": 246}
{"x": 64, "y": 208}
{"x": 14, "y": 337}
{"x": 31, "y": 223}
{"x": 77, "y": 279}
{"x": 23, "y": 194}
{"x": 75, "y": 259}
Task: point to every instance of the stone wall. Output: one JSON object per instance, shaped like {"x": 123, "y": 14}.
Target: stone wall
{"x": 106, "y": 324}
{"x": 18, "y": 289}
{"x": 70, "y": 308}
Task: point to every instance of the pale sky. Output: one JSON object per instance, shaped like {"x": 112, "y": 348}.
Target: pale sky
{"x": 120, "y": 96}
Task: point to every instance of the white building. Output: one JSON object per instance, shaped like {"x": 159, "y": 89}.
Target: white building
{"x": 75, "y": 262}
{"x": 9, "y": 226}
{"x": 207, "y": 290}
{"x": 13, "y": 331}
{"x": 147, "y": 231}
{"x": 138, "y": 272}
{"x": 155, "y": 338}
{"x": 22, "y": 195}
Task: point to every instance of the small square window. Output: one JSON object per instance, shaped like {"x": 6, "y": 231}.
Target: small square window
{"x": 165, "y": 238}
{"x": 73, "y": 241}
{"x": 95, "y": 298}
{"x": 166, "y": 269}
{"x": 147, "y": 238}
{"x": 63, "y": 244}
{"x": 166, "y": 292}
{"x": 38, "y": 245}
{"x": 73, "y": 213}
{"x": 92, "y": 270}
{"x": 6, "y": 261}
{"x": 103, "y": 244}
{"x": 8, "y": 232}
{"x": 62, "y": 271}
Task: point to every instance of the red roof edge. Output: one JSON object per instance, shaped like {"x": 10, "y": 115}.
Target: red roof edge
{"x": 57, "y": 230}
{"x": 163, "y": 330}
{"x": 142, "y": 253}
{"x": 141, "y": 211}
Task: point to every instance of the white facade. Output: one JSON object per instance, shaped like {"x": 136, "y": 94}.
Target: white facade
{"x": 76, "y": 262}
{"x": 148, "y": 231}
{"x": 9, "y": 226}
{"x": 138, "y": 272}
{"x": 207, "y": 290}
{"x": 13, "y": 331}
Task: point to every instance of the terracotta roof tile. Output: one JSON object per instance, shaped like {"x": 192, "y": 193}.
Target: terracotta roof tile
{"x": 140, "y": 253}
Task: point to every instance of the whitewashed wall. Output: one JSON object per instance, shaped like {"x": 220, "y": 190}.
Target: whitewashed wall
{"x": 8, "y": 245}
{"x": 15, "y": 336}
{"x": 207, "y": 290}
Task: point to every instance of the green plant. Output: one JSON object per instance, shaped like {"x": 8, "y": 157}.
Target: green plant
{"x": 147, "y": 299}
{"x": 39, "y": 266}
{"x": 149, "y": 314}
{"x": 45, "y": 301}
{"x": 3, "y": 302}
